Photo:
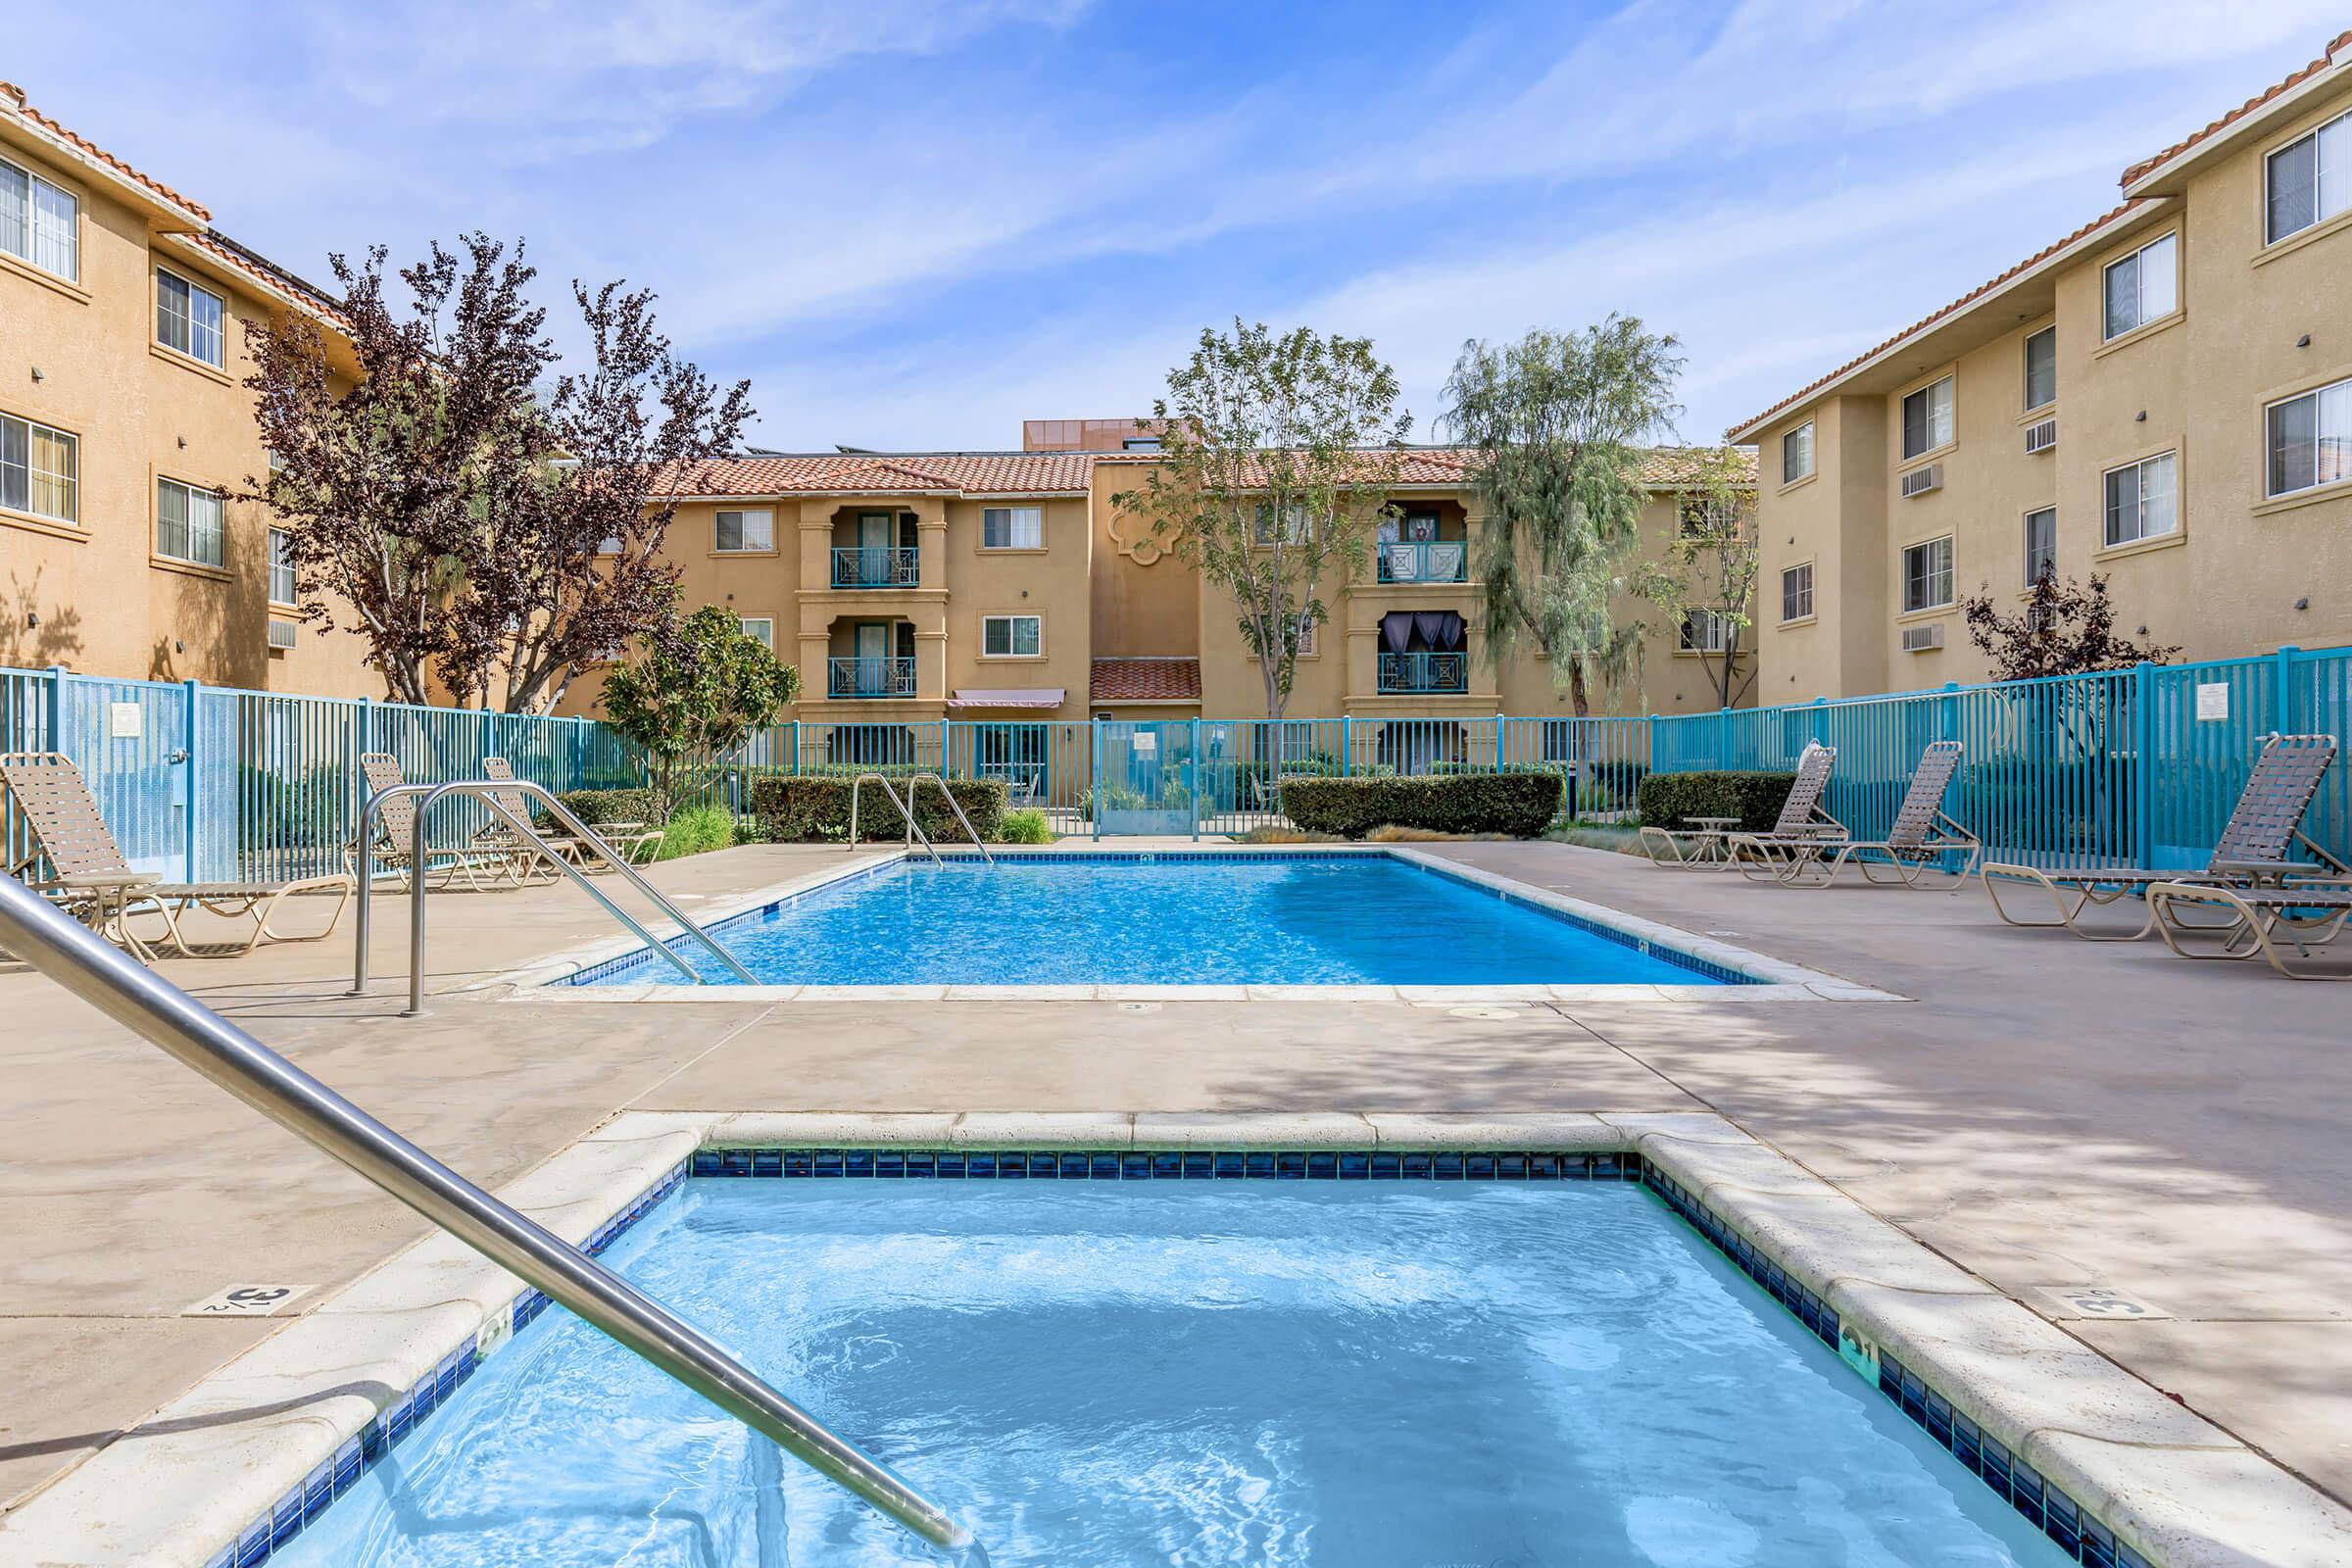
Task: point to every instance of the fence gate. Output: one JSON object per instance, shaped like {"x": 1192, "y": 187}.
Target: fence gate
{"x": 1147, "y": 779}
{"x": 131, "y": 739}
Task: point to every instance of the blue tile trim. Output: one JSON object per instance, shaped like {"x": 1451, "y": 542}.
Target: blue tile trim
{"x": 1196, "y": 1165}
{"x": 1705, "y": 969}
{"x": 2051, "y": 1511}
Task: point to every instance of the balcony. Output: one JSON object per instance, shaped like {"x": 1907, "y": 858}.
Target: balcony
{"x": 1413, "y": 674}
{"x": 874, "y": 568}
{"x": 869, "y": 677}
{"x": 1423, "y": 561}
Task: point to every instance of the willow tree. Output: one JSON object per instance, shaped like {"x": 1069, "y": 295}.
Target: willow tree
{"x": 1560, "y": 424}
{"x": 1277, "y": 455}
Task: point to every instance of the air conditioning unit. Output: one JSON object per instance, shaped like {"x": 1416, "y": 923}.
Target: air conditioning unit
{"x": 1919, "y": 481}
{"x": 2042, "y": 437}
{"x": 1920, "y": 639}
{"x": 281, "y": 633}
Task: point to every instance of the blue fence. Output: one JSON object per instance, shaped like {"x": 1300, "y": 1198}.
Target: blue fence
{"x": 2138, "y": 767}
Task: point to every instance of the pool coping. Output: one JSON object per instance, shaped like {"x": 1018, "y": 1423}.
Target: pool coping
{"x": 256, "y": 1436}
{"x": 1768, "y": 979}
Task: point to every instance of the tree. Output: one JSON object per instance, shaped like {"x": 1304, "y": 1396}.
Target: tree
{"x": 454, "y": 515}
{"x": 695, "y": 695}
{"x": 1277, "y": 455}
{"x": 1560, "y": 424}
{"x": 2067, "y": 630}
{"x": 1707, "y": 579}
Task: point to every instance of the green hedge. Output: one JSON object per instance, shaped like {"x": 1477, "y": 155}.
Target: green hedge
{"x": 797, "y": 810}
{"x": 613, "y": 805}
{"x": 1520, "y": 805}
{"x": 1668, "y": 800}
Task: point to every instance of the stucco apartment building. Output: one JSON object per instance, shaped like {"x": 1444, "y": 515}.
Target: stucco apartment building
{"x": 2164, "y": 398}
{"x": 125, "y": 431}
{"x": 1008, "y": 586}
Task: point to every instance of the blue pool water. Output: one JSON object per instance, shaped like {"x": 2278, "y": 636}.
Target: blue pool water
{"x": 1288, "y": 920}
{"x": 1099, "y": 1374}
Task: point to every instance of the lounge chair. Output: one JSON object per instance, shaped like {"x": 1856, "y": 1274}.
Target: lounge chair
{"x": 2301, "y": 915}
{"x": 1921, "y": 839}
{"x": 1801, "y": 820}
{"x": 628, "y": 840}
{"x": 394, "y": 830}
{"x": 2265, "y": 825}
{"x": 90, "y": 878}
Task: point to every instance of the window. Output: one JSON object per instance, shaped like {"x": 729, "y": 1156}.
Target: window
{"x": 39, "y": 223}
{"x": 1705, "y": 632}
{"x": 1796, "y": 592}
{"x": 2143, "y": 499}
{"x": 760, "y": 629}
{"x": 1796, "y": 454}
{"x": 1140, "y": 443}
{"x": 2041, "y": 544}
{"x": 608, "y": 545}
{"x": 38, "y": 470}
{"x": 187, "y": 318}
{"x": 1928, "y": 575}
{"x": 1008, "y": 636}
{"x": 746, "y": 531}
{"x": 2308, "y": 179}
{"x": 1928, "y": 418}
{"x": 1295, "y": 527}
{"x": 1012, "y": 528}
{"x": 281, "y": 567}
{"x": 187, "y": 522}
{"x": 1306, "y": 639}
{"x": 2143, "y": 287}
{"x": 2041, "y": 369}
{"x": 2310, "y": 439}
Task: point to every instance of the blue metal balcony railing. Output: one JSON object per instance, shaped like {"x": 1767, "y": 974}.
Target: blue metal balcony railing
{"x": 869, "y": 677}
{"x": 1423, "y": 561}
{"x": 1425, "y": 673}
{"x": 874, "y": 568}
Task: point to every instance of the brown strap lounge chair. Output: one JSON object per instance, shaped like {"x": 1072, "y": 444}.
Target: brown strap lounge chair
{"x": 1919, "y": 839}
{"x": 2263, "y": 826}
{"x": 395, "y": 833}
{"x": 1803, "y": 823}
{"x": 1801, "y": 820}
{"x": 628, "y": 840}
{"x": 2260, "y": 920}
{"x": 526, "y": 861}
{"x": 89, "y": 876}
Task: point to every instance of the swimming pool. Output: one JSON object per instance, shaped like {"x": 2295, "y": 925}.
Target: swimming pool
{"x": 1170, "y": 919}
{"x": 1205, "y": 1372}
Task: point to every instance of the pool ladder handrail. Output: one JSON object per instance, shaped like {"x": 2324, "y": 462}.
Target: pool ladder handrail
{"x": 488, "y": 790}
{"x": 151, "y": 1006}
{"x": 914, "y": 830}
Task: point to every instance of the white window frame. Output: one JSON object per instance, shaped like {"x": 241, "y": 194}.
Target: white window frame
{"x": 1804, "y": 589}
{"x": 1299, "y": 529}
{"x": 64, "y": 229}
{"x": 198, "y": 532}
{"x": 2025, "y": 354}
{"x": 282, "y": 571}
{"x": 765, "y": 635}
{"x": 194, "y": 331}
{"x": 2167, "y": 463}
{"x": 1939, "y": 434}
{"x": 2146, "y": 305}
{"x": 16, "y": 459}
{"x": 1805, "y": 430}
{"x": 2051, "y": 513}
{"x": 2337, "y": 132}
{"x": 1719, "y": 632}
{"x": 2331, "y": 436}
{"x": 1013, "y": 519}
{"x": 743, "y": 516}
{"x": 1934, "y": 574}
{"x": 1013, "y": 640}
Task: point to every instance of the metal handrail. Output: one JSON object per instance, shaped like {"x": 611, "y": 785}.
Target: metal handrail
{"x": 954, "y": 806}
{"x": 487, "y": 792}
{"x": 134, "y": 996}
{"x": 905, "y": 808}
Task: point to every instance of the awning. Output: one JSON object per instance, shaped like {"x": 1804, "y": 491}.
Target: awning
{"x": 1008, "y": 697}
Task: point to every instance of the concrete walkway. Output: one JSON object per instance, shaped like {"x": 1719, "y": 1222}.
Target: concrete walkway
{"x": 2047, "y": 1113}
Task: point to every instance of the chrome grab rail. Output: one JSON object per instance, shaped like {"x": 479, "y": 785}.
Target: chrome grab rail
{"x": 142, "y": 1002}
{"x": 487, "y": 792}
{"x": 905, "y": 808}
{"x": 954, "y": 806}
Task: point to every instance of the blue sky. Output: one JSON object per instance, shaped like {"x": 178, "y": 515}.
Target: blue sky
{"x": 913, "y": 223}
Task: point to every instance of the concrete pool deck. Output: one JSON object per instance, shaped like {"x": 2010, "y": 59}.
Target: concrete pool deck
{"x": 2047, "y": 1113}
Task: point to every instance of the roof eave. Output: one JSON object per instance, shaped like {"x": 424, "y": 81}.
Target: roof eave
{"x": 2170, "y": 175}
{"x": 20, "y": 127}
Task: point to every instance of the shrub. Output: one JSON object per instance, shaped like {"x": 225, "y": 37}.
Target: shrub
{"x": 611, "y": 806}
{"x": 696, "y": 829}
{"x": 1025, "y": 826}
{"x": 802, "y": 809}
{"x": 1519, "y": 806}
{"x": 1667, "y": 800}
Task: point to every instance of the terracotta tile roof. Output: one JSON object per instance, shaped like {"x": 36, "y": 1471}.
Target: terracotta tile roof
{"x": 1451, "y": 466}
{"x": 1144, "y": 681}
{"x": 893, "y": 473}
{"x": 2334, "y": 46}
{"x": 272, "y": 276}
{"x": 1956, "y": 306}
{"x": 91, "y": 150}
